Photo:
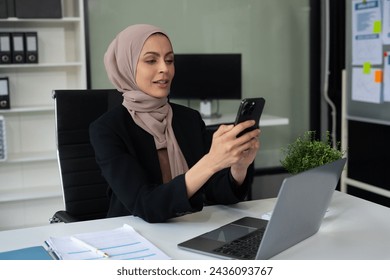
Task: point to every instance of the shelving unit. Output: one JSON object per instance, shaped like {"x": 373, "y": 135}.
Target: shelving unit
{"x": 30, "y": 174}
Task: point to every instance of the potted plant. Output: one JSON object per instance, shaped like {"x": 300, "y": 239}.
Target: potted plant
{"x": 306, "y": 152}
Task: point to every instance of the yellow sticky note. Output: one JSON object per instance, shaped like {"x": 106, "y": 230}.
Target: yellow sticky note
{"x": 366, "y": 68}
{"x": 377, "y": 28}
{"x": 378, "y": 76}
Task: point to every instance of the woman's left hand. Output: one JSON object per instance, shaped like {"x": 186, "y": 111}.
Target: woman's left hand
{"x": 239, "y": 169}
{"x": 248, "y": 145}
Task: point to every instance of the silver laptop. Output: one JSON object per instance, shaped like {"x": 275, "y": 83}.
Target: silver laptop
{"x": 298, "y": 213}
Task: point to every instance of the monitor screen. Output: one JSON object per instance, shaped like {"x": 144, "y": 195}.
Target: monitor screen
{"x": 207, "y": 76}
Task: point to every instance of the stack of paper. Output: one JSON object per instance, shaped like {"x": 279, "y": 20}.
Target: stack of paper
{"x": 123, "y": 243}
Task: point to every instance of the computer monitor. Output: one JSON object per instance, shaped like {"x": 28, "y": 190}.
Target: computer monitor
{"x": 207, "y": 77}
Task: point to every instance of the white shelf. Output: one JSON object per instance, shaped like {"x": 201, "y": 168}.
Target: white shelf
{"x": 15, "y": 195}
{"x": 41, "y": 65}
{"x": 31, "y": 157}
{"x": 40, "y": 20}
{"x": 35, "y": 109}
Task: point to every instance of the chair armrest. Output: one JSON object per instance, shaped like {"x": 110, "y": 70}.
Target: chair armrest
{"x": 63, "y": 217}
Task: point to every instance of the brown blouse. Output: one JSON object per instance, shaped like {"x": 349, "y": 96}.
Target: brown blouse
{"x": 164, "y": 165}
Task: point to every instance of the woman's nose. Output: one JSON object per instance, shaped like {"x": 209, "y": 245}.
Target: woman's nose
{"x": 163, "y": 67}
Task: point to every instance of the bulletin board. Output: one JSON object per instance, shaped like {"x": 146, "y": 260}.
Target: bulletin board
{"x": 366, "y": 132}
{"x": 368, "y": 60}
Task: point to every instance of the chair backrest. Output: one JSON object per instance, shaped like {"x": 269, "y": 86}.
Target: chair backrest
{"x": 84, "y": 188}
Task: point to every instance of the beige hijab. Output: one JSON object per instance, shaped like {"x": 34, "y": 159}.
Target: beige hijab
{"x": 152, "y": 114}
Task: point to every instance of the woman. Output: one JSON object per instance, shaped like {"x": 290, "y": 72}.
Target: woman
{"x": 156, "y": 155}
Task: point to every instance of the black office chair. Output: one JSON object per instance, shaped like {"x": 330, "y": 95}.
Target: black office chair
{"x": 84, "y": 189}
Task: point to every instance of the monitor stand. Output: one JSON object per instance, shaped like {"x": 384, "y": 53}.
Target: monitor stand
{"x": 205, "y": 110}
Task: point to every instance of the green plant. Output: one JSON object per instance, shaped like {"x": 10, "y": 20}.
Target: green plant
{"x": 306, "y": 152}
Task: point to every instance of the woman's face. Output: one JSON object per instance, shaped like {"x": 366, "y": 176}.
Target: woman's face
{"x": 155, "y": 68}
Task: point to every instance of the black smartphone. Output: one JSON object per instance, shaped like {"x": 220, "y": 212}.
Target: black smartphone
{"x": 250, "y": 109}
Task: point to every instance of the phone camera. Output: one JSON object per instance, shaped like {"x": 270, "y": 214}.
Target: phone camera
{"x": 248, "y": 108}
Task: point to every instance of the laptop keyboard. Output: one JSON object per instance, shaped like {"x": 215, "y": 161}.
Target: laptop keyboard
{"x": 245, "y": 247}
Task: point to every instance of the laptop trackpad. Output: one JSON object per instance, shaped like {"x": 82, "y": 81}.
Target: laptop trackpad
{"x": 228, "y": 233}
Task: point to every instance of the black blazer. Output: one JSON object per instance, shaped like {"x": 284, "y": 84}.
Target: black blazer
{"x": 129, "y": 162}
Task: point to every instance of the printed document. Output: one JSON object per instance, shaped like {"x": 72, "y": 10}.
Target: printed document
{"x": 366, "y": 85}
{"x": 122, "y": 243}
{"x": 366, "y": 32}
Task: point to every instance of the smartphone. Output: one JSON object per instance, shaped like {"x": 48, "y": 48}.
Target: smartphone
{"x": 250, "y": 109}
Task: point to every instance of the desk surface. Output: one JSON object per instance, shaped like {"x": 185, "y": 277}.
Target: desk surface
{"x": 352, "y": 229}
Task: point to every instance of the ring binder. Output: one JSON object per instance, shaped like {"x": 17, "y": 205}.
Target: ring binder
{"x": 18, "y": 55}
{"x": 3, "y": 9}
{"x": 3, "y": 146}
{"x": 38, "y": 8}
{"x": 11, "y": 8}
{"x": 31, "y": 39}
{"x": 5, "y": 48}
{"x": 4, "y": 93}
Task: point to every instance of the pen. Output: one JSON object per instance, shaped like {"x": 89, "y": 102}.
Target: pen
{"x": 90, "y": 247}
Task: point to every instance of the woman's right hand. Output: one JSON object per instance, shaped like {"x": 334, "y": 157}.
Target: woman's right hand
{"x": 226, "y": 149}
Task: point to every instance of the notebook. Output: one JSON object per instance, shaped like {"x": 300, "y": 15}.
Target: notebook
{"x": 298, "y": 213}
{"x": 29, "y": 253}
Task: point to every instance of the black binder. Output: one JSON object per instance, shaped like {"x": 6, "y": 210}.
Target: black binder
{"x": 3, "y": 9}
{"x": 31, "y": 39}
{"x": 38, "y": 8}
{"x": 5, "y": 48}
{"x": 4, "y": 93}
{"x": 18, "y": 47}
{"x": 11, "y": 8}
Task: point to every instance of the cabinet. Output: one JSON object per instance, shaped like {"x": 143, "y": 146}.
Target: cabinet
{"x": 30, "y": 186}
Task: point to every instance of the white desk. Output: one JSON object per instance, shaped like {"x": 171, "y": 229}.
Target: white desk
{"x": 265, "y": 120}
{"x": 353, "y": 229}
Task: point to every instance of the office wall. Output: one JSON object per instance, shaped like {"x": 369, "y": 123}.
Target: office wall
{"x": 272, "y": 35}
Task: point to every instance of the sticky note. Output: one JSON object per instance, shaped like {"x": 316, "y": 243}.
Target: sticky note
{"x": 367, "y": 68}
{"x": 378, "y": 76}
{"x": 377, "y": 28}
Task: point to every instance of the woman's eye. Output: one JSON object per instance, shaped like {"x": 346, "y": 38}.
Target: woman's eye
{"x": 151, "y": 61}
{"x": 169, "y": 61}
